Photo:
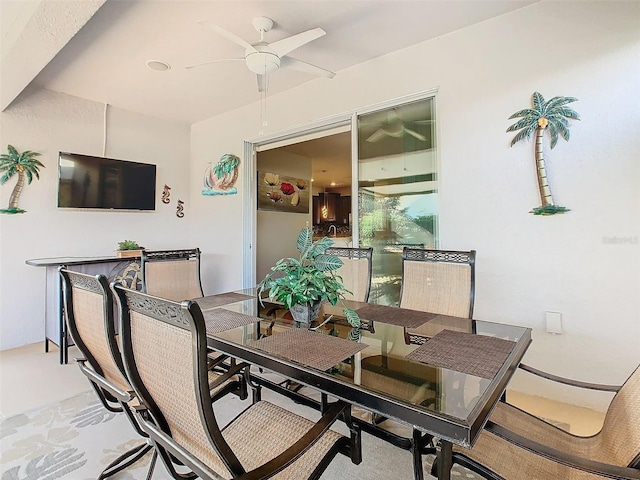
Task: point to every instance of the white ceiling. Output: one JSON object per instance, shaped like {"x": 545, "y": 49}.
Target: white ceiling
{"x": 98, "y": 49}
{"x": 106, "y": 60}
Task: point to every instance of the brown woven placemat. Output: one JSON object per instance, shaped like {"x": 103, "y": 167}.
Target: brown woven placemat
{"x": 395, "y": 316}
{"x": 476, "y": 355}
{"x": 214, "y": 301}
{"x": 312, "y": 349}
{"x": 219, "y": 320}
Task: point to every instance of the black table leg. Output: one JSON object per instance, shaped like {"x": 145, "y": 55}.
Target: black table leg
{"x": 444, "y": 451}
{"x": 416, "y": 452}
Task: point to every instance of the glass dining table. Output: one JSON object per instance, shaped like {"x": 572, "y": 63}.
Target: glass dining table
{"x": 438, "y": 374}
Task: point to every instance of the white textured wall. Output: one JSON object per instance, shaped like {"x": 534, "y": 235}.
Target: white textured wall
{"x": 49, "y": 122}
{"x": 526, "y": 265}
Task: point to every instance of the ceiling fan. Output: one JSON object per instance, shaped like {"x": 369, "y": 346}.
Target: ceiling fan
{"x": 393, "y": 126}
{"x": 263, "y": 58}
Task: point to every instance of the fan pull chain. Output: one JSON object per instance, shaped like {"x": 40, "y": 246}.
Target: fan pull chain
{"x": 263, "y": 103}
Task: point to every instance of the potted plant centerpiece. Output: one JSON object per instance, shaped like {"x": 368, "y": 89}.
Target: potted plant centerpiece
{"x": 302, "y": 284}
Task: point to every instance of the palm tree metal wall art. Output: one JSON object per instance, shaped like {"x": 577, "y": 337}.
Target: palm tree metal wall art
{"x": 220, "y": 179}
{"x": 25, "y": 164}
{"x": 551, "y": 116}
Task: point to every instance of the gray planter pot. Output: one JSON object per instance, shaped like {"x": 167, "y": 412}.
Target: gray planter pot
{"x": 305, "y": 313}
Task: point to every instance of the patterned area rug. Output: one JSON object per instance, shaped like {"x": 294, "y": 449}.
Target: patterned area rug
{"x": 72, "y": 439}
{"x": 75, "y": 439}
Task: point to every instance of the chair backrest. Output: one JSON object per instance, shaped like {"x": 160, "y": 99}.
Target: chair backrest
{"x": 172, "y": 274}
{"x": 165, "y": 355}
{"x": 88, "y": 306}
{"x": 355, "y": 271}
{"x": 618, "y": 442}
{"x": 438, "y": 281}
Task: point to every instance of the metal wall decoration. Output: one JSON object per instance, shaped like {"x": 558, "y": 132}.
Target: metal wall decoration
{"x": 25, "y": 164}
{"x": 165, "y": 194}
{"x": 544, "y": 117}
{"x": 180, "y": 209}
{"x": 219, "y": 179}
{"x": 282, "y": 194}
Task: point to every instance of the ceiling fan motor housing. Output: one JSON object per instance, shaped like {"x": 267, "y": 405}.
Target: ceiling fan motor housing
{"x": 262, "y": 60}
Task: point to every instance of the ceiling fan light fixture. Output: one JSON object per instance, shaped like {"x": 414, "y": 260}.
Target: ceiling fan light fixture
{"x": 263, "y": 58}
{"x": 262, "y": 62}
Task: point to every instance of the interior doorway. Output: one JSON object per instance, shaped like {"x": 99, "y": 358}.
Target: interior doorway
{"x": 391, "y": 152}
{"x": 323, "y": 167}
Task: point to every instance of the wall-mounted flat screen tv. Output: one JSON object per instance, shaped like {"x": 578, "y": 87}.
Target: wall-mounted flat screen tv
{"x": 96, "y": 182}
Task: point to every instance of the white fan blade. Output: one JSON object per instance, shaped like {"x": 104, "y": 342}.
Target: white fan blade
{"x": 416, "y": 134}
{"x": 262, "y": 83}
{"x": 295, "y": 64}
{"x": 228, "y": 35}
{"x": 284, "y": 46}
{"x": 378, "y": 134}
{"x": 214, "y": 61}
{"x": 424, "y": 122}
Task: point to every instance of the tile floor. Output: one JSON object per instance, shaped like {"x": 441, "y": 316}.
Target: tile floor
{"x": 30, "y": 378}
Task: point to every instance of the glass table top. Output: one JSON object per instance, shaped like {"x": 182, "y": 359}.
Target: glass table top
{"x": 442, "y": 376}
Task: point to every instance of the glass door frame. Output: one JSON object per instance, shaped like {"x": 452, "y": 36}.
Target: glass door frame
{"x": 249, "y": 177}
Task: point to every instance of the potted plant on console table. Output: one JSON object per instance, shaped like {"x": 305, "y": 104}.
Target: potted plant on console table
{"x": 129, "y": 248}
{"x": 302, "y": 284}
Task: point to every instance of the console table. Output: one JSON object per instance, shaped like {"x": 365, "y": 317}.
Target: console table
{"x": 55, "y": 326}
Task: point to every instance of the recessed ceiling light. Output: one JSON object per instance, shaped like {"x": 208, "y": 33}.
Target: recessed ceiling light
{"x": 157, "y": 65}
{"x": 333, "y": 184}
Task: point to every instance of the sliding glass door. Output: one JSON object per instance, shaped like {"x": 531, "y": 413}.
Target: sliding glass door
{"x": 397, "y": 189}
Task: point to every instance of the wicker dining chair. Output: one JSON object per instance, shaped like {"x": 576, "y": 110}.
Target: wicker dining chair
{"x": 165, "y": 355}
{"x": 88, "y": 309}
{"x": 516, "y": 445}
{"x": 355, "y": 271}
{"x": 175, "y": 275}
{"x": 172, "y": 274}
{"x": 435, "y": 281}
{"x": 438, "y": 281}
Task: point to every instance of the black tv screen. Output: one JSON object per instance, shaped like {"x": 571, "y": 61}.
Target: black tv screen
{"x": 96, "y": 182}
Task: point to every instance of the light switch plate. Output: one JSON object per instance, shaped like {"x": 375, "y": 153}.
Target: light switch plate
{"x": 554, "y": 322}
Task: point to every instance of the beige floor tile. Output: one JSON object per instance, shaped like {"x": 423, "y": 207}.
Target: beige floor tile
{"x": 31, "y": 378}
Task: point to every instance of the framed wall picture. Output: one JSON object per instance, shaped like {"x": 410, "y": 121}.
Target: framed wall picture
{"x": 282, "y": 194}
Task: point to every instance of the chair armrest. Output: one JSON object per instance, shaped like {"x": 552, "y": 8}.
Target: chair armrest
{"x": 119, "y": 394}
{"x": 567, "y": 381}
{"x": 573, "y": 461}
{"x": 301, "y": 446}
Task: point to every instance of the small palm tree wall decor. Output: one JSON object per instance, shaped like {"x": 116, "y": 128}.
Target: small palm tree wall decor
{"x": 552, "y": 117}
{"x": 219, "y": 179}
{"x": 25, "y": 164}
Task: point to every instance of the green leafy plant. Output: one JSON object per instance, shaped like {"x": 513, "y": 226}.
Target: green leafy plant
{"x": 308, "y": 279}
{"x": 128, "y": 245}
{"x": 25, "y": 164}
{"x": 548, "y": 116}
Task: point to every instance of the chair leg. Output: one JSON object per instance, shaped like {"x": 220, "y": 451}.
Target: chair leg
{"x": 131, "y": 457}
{"x": 256, "y": 389}
{"x": 152, "y": 464}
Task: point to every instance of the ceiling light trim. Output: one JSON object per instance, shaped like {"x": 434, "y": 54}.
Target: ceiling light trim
{"x": 158, "y": 65}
